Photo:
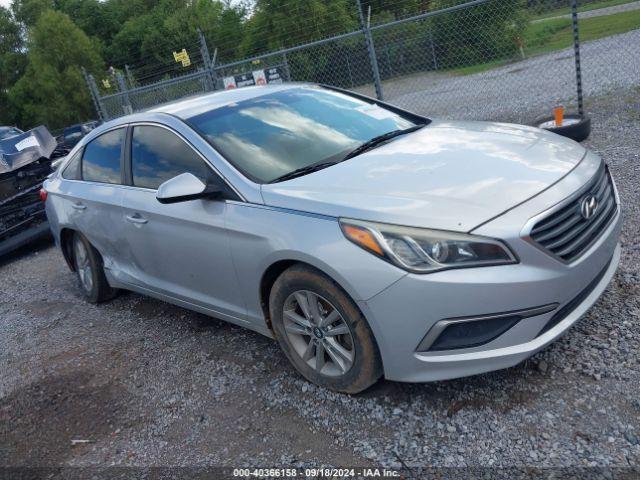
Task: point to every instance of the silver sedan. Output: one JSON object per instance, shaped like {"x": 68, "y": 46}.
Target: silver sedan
{"x": 367, "y": 240}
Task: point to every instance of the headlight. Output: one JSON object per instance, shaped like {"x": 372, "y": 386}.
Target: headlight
{"x": 422, "y": 250}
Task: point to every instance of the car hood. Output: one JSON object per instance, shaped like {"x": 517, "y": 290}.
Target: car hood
{"x": 448, "y": 175}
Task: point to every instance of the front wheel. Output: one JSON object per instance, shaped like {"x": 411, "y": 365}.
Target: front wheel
{"x": 322, "y": 332}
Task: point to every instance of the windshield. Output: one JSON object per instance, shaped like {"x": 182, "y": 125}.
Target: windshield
{"x": 8, "y": 132}
{"x": 269, "y": 136}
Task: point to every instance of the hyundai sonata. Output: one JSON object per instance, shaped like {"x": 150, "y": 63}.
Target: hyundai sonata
{"x": 366, "y": 239}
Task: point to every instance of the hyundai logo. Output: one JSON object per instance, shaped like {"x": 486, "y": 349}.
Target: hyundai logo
{"x": 589, "y": 206}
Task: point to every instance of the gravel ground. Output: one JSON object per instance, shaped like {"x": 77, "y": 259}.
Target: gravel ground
{"x": 534, "y": 85}
{"x": 151, "y": 384}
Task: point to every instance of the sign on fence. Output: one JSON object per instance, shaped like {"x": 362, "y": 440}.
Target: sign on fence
{"x": 257, "y": 77}
{"x": 182, "y": 57}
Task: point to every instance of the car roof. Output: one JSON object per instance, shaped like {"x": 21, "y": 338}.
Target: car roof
{"x": 192, "y": 106}
{"x": 76, "y": 125}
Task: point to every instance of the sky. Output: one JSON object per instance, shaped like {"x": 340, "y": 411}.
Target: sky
{"x": 5, "y": 3}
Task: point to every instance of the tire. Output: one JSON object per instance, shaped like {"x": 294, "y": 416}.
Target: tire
{"x": 88, "y": 266}
{"x": 578, "y": 131}
{"x": 348, "y": 336}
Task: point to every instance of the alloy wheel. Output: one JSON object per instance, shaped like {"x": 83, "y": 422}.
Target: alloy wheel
{"x": 83, "y": 265}
{"x": 318, "y": 333}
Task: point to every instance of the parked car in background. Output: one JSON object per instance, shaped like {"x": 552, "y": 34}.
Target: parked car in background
{"x": 25, "y": 161}
{"x": 366, "y": 239}
{"x": 73, "y": 134}
{"x": 8, "y": 132}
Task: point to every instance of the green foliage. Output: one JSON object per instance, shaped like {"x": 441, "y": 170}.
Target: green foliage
{"x": 27, "y": 12}
{"x": 12, "y": 63}
{"x": 557, "y": 33}
{"x": 384, "y": 10}
{"x": 52, "y": 90}
{"x": 484, "y": 33}
{"x": 95, "y": 18}
{"x": 149, "y": 39}
{"x": 283, "y": 23}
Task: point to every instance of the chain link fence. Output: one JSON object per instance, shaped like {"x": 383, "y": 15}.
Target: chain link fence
{"x": 508, "y": 60}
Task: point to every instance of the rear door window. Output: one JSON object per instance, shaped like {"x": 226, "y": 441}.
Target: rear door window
{"x": 101, "y": 159}
{"x": 157, "y": 155}
{"x": 72, "y": 170}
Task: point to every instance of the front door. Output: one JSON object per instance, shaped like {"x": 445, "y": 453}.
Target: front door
{"x": 182, "y": 249}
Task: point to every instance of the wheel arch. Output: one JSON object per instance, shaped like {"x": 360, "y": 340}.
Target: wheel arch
{"x": 277, "y": 267}
{"x": 66, "y": 245}
{"x": 66, "y": 237}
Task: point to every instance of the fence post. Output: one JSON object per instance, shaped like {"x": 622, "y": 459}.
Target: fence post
{"x": 576, "y": 48}
{"x": 129, "y": 77}
{"x": 287, "y": 70}
{"x": 95, "y": 95}
{"x": 372, "y": 51}
{"x": 122, "y": 86}
{"x": 214, "y": 72}
{"x": 204, "y": 51}
{"x": 433, "y": 49}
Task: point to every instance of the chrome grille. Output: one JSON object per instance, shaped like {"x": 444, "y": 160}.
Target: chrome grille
{"x": 566, "y": 233}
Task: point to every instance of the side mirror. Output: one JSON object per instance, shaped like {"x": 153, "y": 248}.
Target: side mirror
{"x": 184, "y": 187}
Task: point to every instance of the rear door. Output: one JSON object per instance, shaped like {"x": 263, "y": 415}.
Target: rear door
{"x": 181, "y": 249}
{"x": 93, "y": 193}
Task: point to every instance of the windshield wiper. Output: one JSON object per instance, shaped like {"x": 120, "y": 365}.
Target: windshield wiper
{"x": 302, "y": 171}
{"x": 375, "y": 141}
{"x": 369, "y": 144}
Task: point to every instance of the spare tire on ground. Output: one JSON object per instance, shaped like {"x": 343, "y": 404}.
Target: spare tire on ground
{"x": 574, "y": 126}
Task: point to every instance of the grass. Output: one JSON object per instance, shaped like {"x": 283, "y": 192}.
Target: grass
{"x": 582, "y": 8}
{"x": 557, "y": 33}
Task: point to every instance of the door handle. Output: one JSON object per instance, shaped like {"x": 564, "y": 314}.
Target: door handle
{"x": 79, "y": 206}
{"x": 136, "y": 219}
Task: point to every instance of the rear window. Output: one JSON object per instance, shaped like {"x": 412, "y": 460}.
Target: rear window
{"x": 72, "y": 170}
{"x": 101, "y": 159}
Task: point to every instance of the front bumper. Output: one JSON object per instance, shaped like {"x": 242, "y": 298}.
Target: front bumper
{"x": 401, "y": 315}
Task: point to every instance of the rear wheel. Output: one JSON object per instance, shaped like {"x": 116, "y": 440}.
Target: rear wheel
{"x": 322, "y": 332}
{"x": 89, "y": 270}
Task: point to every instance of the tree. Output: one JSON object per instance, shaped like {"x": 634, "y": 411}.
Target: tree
{"x": 27, "y": 12}
{"x": 93, "y": 17}
{"x": 283, "y": 23}
{"x": 52, "y": 90}
{"x": 146, "y": 42}
{"x": 478, "y": 34}
{"x": 12, "y": 62}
